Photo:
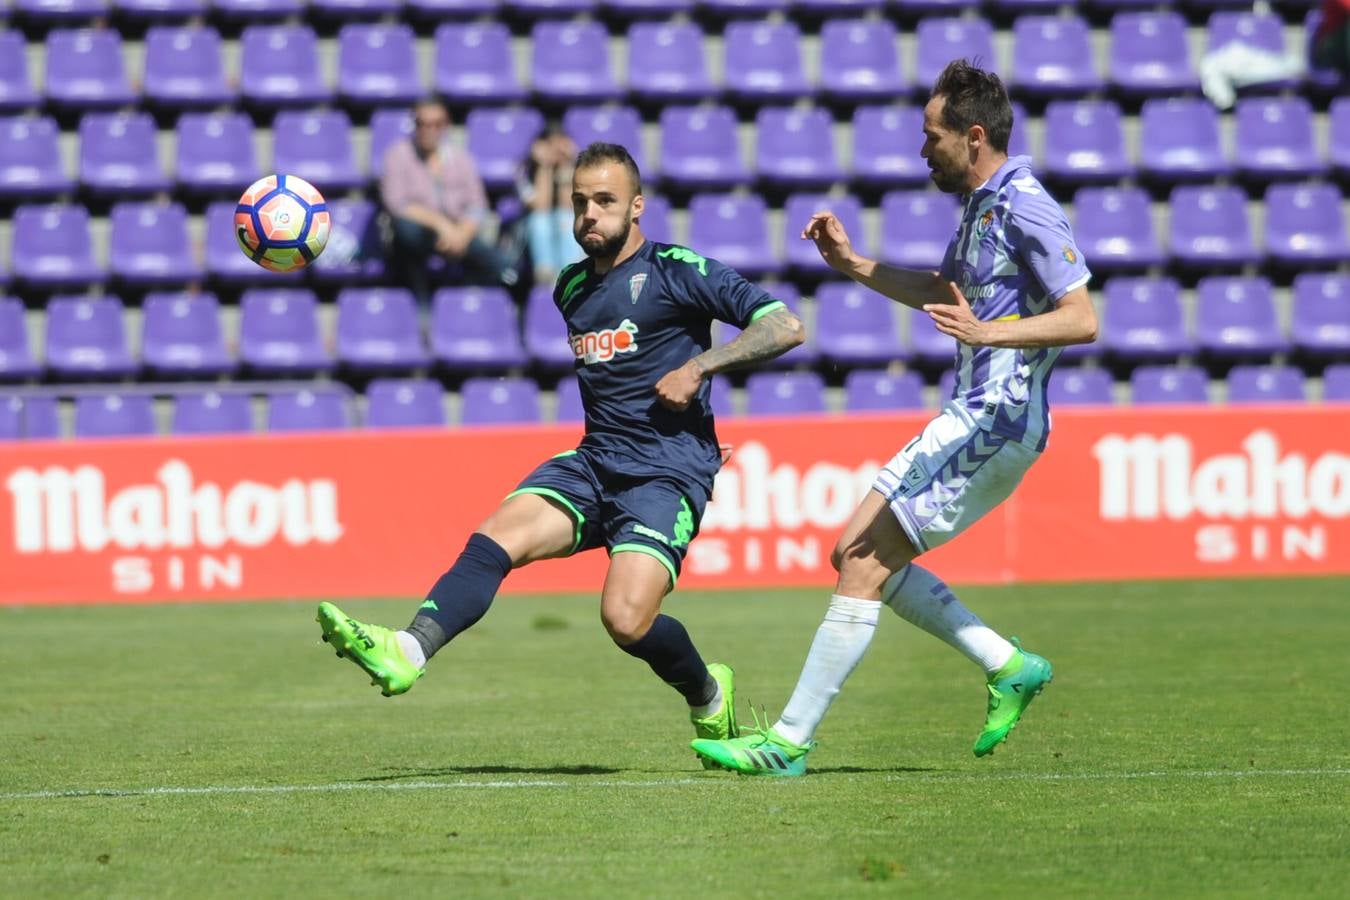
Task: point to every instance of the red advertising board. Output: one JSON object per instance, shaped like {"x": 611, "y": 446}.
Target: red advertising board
{"x": 1119, "y": 494}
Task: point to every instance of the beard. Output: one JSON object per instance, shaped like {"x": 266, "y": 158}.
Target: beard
{"x": 947, "y": 182}
{"x": 610, "y": 246}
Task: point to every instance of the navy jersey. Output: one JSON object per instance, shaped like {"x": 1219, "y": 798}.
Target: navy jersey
{"x": 647, "y": 316}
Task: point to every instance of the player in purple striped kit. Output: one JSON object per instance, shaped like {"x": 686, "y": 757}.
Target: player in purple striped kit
{"x": 1012, "y": 290}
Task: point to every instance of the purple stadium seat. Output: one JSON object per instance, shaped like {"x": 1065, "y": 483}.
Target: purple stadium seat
{"x": 52, "y": 247}
{"x": 568, "y": 394}
{"x": 916, "y": 227}
{"x": 184, "y": 67}
{"x": 86, "y": 337}
{"x": 257, "y": 10}
{"x": 656, "y": 225}
{"x": 1084, "y": 142}
{"x": 733, "y": 228}
{"x": 1179, "y": 140}
{"x": 38, "y": 417}
{"x": 85, "y": 69}
{"x": 1321, "y": 315}
{"x": 30, "y": 158}
{"x": 453, "y": 9}
{"x": 545, "y": 331}
{"x": 1080, "y": 386}
{"x": 475, "y": 328}
{"x": 279, "y": 332}
{"x": 60, "y": 11}
{"x": 548, "y": 8}
{"x": 353, "y": 232}
{"x": 225, "y": 261}
{"x": 1155, "y": 385}
{"x": 498, "y": 401}
{"x": 181, "y": 334}
{"x": 570, "y": 62}
{"x": 16, "y": 88}
{"x": 11, "y": 417}
{"x": 150, "y": 245}
{"x": 763, "y": 62}
{"x": 114, "y": 415}
{"x": 735, "y": 8}
{"x": 1143, "y": 320}
{"x": 946, "y": 386}
{"x": 886, "y": 143}
{"x": 1305, "y": 225}
{"x": 1052, "y": 56}
{"x": 215, "y": 152}
{"x": 1235, "y": 318}
{"x": 667, "y": 63}
{"x": 350, "y": 9}
{"x": 1114, "y": 228}
{"x": 784, "y": 393}
{"x": 941, "y": 40}
{"x": 630, "y": 9}
{"x": 1149, "y": 54}
{"x": 1261, "y": 30}
{"x": 875, "y": 389}
{"x": 378, "y": 330}
{"x": 1275, "y": 138}
{"x": 1210, "y": 227}
{"x": 498, "y": 139}
{"x": 376, "y": 64}
{"x": 856, "y": 326}
{"x": 1338, "y": 114}
{"x": 699, "y": 148}
{"x": 387, "y": 127}
{"x": 1266, "y": 384}
{"x": 160, "y": 10}
{"x": 802, "y": 254}
{"x": 317, "y": 146}
{"x": 308, "y": 409}
{"x": 118, "y": 154}
{"x": 211, "y": 412}
{"x": 612, "y": 124}
{"x": 405, "y": 403}
{"x": 473, "y": 63}
{"x": 804, "y": 354}
{"x": 859, "y": 60}
{"x": 795, "y": 148}
{"x": 279, "y": 66}
{"x": 1336, "y": 383}
{"x": 16, "y": 359}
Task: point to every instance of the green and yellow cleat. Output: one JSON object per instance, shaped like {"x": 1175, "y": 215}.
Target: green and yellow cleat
{"x": 373, "y": 648}
{"x": 1011, "y": 690}
{"x": 721, "y": 724}
{"x": 763, "y": 753}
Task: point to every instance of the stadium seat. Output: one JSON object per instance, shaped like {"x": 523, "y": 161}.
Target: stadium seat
{"x": 211, "y": 412}
{"x": 941, "y": 40}
{"x": 182, "y": 334}
{"x": 724, "y": 9}
{"x": 16, "y": 358}
{"x": 474, "y": 65}
{"x": 859, "y": 61}
{"x": 886, "y": 143}
{"x": 916, "y": 227}
{"x": 86, "y": 338}
{"x": 114, "y": 415}
{"x": 1179, "y": 140}
{"x": 475, "y": 328}
{"x": 1080, "y": 386}
{"x": 118, "y": 154}
{"x": 30, "y": 158}
{"x": 498, "y": 401}
{"x": 1052, "y": 57}
{"x": 160, "y": 10}
{"x": 1275, "y": 139}
{"x": 378, "y": 331}
{"x": 795, "y": 148}
{"x": 85, "y": 69}
{"x": 548, "y": 8}
{"x": 317, "y": 146}
{"x": 279, "y": 332}
{"x": 568, "y": 394}
{"x": 388, "y": 125}
{"x": 667, "y": 63}
{"x": 763, "y": 62}
{"x": 1320, "y": 327}
{"x": 498, "y": 139}
{"x": 874, "y": 389}
{"x": 353, "y": 254}
{"x": 656, "y": 224}
{"x": 215, "y": 153}
{"x": 546, "y": 339}
{"x": 279, "y": 66}
{"x": 1114, "y": 229}
{"x": 1336, "y": 383}
{"x": 225, "y": 262}
{"x": 1264, "y": 31}
{"x": 733, "y": 229}
{"x": 150, "y": 246}
{"x": 1142, "y": 320}
{"x": 801, "y": 255}
{"x": 377, "y": 63}
{"x": 308, "y": 409}
{"x": 1305, "y": 225}
{"x": 929, "y": 347}
{"x": 32, "y": 417}
{"x": 257, "y": 10}
{"x": 16, "y": 87}
{"x": 1084, "y": 142}
{"x": 52, "y": 247}
{"x": 611, "y": 124}
{"x": 11, "y": 417}
{"x": 784, "y": 393}
{"x": 1266, "y": 384}
{"x": 634, "y": 8}
{"x": 1236, "y": 318}
{"x": 1210, "y": 229}
{"x": 345, "y": 9}
{"x": 452, "y": 9}
{"x": 946, "y": 386}
{"x": 405, "y": 403}
{"x": 1338, "y": 116}
{"x": 1149, "y": 54}
{"x": 856, "y": 326}
{"x": 569, "y": 63}
{"x": 184, "y": 68}
{"x": 699, "y": 148}
{"x": 1155, "y": 385}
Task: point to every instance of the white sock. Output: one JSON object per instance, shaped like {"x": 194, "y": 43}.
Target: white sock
{"x": 920, "y": 597}
{"x": 841, "y": 640}
{"x": 712, "y": 706}
{"x": 411, "y": 649}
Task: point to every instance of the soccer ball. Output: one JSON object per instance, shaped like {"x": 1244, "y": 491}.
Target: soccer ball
{"x": 282, "y": 223}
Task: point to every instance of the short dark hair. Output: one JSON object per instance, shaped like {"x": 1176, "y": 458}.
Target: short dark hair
{"x": 975, "y": 97}
{"x": 600, "y": 152}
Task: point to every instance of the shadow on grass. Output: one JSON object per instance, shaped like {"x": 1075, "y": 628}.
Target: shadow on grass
{"x": 855, "y": 770}
{"x": 494, "y": 770}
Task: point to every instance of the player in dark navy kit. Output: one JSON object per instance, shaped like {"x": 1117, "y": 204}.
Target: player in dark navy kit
{"x": 639, "y": 316}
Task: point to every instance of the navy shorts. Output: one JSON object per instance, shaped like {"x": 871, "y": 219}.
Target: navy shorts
{"x": 619, "y": 510}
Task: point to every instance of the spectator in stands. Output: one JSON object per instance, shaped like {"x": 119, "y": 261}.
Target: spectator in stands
{"x": 432, "y": 192}
{"x": 1331, "y": 40}
{"x": 545, "y": 188}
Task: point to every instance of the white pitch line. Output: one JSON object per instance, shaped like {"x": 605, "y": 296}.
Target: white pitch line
{"x": 343, "y": 786}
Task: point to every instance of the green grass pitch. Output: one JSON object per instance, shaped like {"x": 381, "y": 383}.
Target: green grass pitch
{"x": 1196, "y": 742}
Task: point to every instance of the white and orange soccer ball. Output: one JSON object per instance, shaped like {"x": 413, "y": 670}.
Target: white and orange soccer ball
{"x": 282, "y": 223}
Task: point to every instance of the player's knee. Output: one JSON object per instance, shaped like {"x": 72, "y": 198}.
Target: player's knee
{"x": 626, "y": 625}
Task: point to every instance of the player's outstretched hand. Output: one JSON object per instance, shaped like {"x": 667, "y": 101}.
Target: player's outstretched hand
{"x": 677, "y": 388}
{"x": 954, "y": 317}
{"x": 830, "y": 238}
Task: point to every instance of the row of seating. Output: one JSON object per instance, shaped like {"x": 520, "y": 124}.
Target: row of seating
{"x": 479, "y": 329}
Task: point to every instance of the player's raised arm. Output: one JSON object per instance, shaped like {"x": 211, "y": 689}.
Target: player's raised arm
{"x": 770, "y": 335}
{"x": 912, "y": 287}
{"x": 1072, "y": 321}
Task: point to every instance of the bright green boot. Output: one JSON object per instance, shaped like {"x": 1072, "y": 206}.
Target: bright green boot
{"x": 371, "y": 647}
{"x": 1011, "y": 690}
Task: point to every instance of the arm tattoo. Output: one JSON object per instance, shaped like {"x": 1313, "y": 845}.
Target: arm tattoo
{"x": 768, "y": 336}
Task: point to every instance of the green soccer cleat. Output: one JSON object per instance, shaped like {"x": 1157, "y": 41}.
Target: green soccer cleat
{"x": 763, "y": 753}
{"x": 721, "y": 724}
{"x": 1011, "y": 690}
{"x": 371, "y": 647}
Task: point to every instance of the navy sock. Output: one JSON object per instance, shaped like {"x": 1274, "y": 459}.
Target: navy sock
{"x": 462, "y": 595}
{"x": 666, "y": 647}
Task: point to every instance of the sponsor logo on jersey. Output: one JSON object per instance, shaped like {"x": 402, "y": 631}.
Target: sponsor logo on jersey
{"x": 974, "y": 291}
{"x": 601, "y": 346}
{"x": 685, "y": 255}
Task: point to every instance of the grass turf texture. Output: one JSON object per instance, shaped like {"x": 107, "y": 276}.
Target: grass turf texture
{"x": 1194, "y": 743}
